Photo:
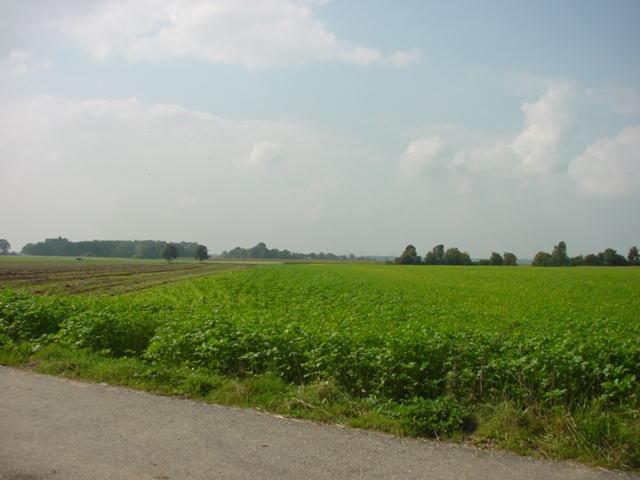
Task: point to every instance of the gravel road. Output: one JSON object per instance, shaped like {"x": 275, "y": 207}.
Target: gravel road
{"x": 52, "y": 428}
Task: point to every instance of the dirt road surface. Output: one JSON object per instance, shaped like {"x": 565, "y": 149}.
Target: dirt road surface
{"x": 52, "y": 428}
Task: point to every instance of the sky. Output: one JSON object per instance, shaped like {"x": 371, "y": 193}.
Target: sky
{"x": 345, "y": 126}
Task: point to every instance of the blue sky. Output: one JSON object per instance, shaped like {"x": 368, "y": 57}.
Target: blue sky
{"x": 347, "y": 126}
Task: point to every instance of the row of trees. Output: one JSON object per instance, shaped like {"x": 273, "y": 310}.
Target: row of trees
{"x": 170, "y": 252}
{"x": 451, "y": 256}
{"x": 109, "y": 248}
{"x": 607, "y": 258}
{"x": 262, "y": 251}
{"x": 507, "y": 259}
{"x": 158, "y": 249}
{"x": 557, "y": 258}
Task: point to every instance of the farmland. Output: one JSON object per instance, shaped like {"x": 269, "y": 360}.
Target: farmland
{"x": 540, "y": 361}
{"x": 99, "y": 276}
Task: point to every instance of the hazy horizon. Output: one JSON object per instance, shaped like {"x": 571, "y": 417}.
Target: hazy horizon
{"x": 312, "y": 125}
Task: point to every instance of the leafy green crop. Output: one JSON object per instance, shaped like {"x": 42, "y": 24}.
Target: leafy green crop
{"x": 433, "y": 340}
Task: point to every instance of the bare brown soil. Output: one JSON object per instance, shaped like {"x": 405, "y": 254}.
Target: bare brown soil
{"x": 102, "y": 277}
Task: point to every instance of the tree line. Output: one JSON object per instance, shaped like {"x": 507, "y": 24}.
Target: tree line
{"x": 111, "y": 248}
{"x": 557, "y": 258}
{"x": 160, "y": 249}
{"x": 262, "y": 251}
{"x": 607, "y": 258}
{"x": 451, "y": 256}
{"x": 438, "y": 255}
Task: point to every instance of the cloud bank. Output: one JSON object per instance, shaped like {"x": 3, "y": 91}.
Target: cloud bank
{"x": 125, "y": 169}
{"x": 608, "y": 167}
{"x": 102, "y": 166}
{"x": 255, "y": 34}
{"x": 21, "y": 61}
{"x": 611, "y": 166}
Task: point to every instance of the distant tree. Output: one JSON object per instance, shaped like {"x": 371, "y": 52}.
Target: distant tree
{"x": 202, "y": 253}
{"x": 146, "y": 249}
{"x": 453, "y": 256}
{"x": 542, "y": 259}
{"x": 435, "y": 256}
{"x": 439, "y": 252}
{"x": 633, "y": 258}
{"x": 106, "y": 248}
{"x": 170, "y": 252}
{"x": 592, "y": 260}
{"x": 409, "y": 256}
{"x": 187, "y": 249}
{"x": 284, "y": 254}
{"x": 611, "y": 258}
{"x": 495, "y": 259}
{"x": 5, "y": 247}
{"x": 262, "y": 251}
{"x": 576, "y": 261}
{"x": 559, "y": 255}
{"x": 509, "y": 259}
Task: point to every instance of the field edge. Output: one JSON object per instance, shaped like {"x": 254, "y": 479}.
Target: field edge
{"x": 496, "y": 427}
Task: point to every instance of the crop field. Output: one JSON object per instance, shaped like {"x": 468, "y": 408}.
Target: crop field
{"x": 99, "y": 276}
{"x": 540, "y": 361}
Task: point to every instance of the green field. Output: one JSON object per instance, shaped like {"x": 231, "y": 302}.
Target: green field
{"x": 539, "y": 361}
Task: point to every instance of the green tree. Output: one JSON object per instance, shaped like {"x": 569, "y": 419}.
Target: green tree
{"x": 170, "y": 252}
{"x": 559, "y": 255}
{"x": 453, "y": 256}
{"x": 5, "y": 246}
{"x": 542, "y": 259}
{"x": 409, "y": 256}
{"x": 435, "y": 256}
{"x": 202, "y": 253}
{"x": 509, "y": 259}
{"x": 592, "y": 260}
{"x": 495, "y": 259}
{"x": 577, "y": 261}
{"x": 611, "y": 258}
{"x": 633, "y": 258}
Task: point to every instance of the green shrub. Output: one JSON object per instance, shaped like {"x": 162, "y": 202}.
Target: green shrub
{"x": 436, "y": 417}
{"x": 27, "y": 317}
{"x": 108, "y": 332}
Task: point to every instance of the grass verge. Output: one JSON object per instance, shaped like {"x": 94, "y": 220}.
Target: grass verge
{"x": 592, "y": 434}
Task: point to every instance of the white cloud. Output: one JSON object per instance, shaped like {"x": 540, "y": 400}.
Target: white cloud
{"x": 536, "y": 150}
{"x": 125, "y": 169}
{"x": 425, "y": 155}
{"x": 131, "y": 170}
{"x": 20, "y": 62}
{"x": 110, "y": 134}
{"x": 611, "y": 166}
{"x": 405, "y": 58}
{"x": 262, "y": 155}
{"x": 247, "y": 32}
{"x": 494, "y": 158}
{"x": 546, "y": 122}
